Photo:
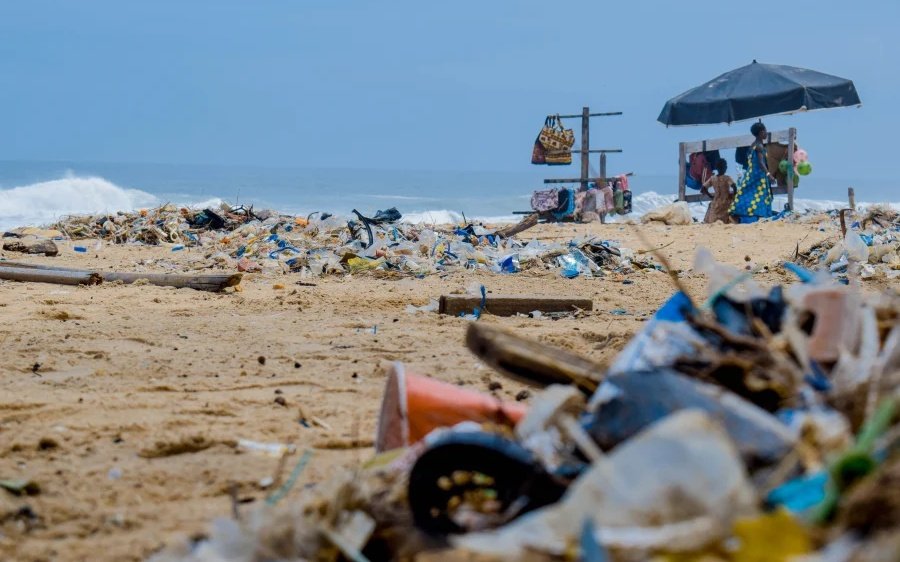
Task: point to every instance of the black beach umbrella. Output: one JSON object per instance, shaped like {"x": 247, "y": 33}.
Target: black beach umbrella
{"x": 758, "y": 90}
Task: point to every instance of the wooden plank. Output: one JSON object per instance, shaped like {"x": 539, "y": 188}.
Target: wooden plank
{"x": 521, "y": 226}
{"x": 732, "y": 142}
{"x": 682, "y": 171}
{"x": 574, "y": 180}
{"x": 603, "y": 175}
{"x": 212, "y": 283}
{"x": 586, "y": 146}
{"x": 530, "y": 361}
{"x": 58, "y": 277}
{"x": 851, "y": 198}
{"x": 606, "y": 114}
{"x": 700, "y": 198}
{"x": 454, "y": 305}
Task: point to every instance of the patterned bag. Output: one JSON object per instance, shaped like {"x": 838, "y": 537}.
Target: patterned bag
{"x": 558, "y": 158}
{"x": 538, "y": 153}
{"x": 626, "y": 195}
{"x": 555, "y": 137}
{"x": 545, "y": 200}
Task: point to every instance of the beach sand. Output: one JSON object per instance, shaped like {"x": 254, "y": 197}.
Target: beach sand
{"x": 124, "y": 402}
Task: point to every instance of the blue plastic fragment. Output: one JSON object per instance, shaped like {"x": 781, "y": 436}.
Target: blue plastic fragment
{"x": 477, "y": 312}
{"x": 817, "y": 378}
{"x": 800, "y": 494}
{"x": 675, "y": 309}
{"x": 591, "y": 550}
{"x": 803, "y": 274}
{"x": 570, "y": 271}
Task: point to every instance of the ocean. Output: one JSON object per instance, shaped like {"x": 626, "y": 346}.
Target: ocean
{"x": 38, "y": 193}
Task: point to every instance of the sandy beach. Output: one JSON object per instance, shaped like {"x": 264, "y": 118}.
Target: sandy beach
{"x": 124, "y": 403}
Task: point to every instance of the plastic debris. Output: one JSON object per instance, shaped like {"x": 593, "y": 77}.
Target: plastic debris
{"x": 413, "y": 406}
{"x": 675, "y": 214}
{"x": 275, "y": 450}
{"x": 703, "y": 482}
{"x": 323, "y": 244}
{"x": 722, "y": 431}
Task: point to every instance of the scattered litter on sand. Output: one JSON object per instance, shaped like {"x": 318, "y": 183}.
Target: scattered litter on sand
{"x": 749, "y": 425}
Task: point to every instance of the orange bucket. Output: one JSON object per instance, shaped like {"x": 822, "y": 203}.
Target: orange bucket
{"x": 413, "y": 406}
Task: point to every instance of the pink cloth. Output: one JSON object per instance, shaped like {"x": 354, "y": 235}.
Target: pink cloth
{"x": 608, "y": 199}
{"x": 623, "y": 182}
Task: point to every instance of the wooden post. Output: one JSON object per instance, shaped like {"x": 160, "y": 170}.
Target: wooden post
{"x": 585, "y": 145}
{"x": 792, "y": 138}
{"x": 851, "y": 198}
{"x": 682, "y": 158}
{"x": 603, "y": 176}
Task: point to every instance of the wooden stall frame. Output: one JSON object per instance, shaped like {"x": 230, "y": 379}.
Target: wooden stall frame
{"x": 585, "y": 150}
{"x": 788, "y": 136}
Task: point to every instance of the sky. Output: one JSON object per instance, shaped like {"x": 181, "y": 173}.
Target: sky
{"x": 460, "y": 85}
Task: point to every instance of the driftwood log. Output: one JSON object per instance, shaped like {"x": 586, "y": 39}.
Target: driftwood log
{"x": 454, "y": 305}
{"x": 58, "y": 276}
{"x": 520, "y": 226}
{"x": 530, "y": 361}
{"x": 16, "y": 271}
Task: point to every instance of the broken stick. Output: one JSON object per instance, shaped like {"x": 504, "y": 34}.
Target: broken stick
{"x": 520, "y": 226}
{"x": 530, "y": 361}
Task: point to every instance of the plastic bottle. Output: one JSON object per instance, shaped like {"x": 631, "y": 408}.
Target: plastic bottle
{"x": 857, "y": 250}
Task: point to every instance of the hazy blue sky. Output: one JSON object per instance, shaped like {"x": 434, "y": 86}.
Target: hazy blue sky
{"x": 419, "y": 84}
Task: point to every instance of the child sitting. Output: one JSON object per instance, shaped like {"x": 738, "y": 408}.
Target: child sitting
{"x": 722, "y": 196}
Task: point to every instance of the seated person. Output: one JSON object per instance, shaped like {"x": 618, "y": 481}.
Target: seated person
{"x": 722, "y": 196}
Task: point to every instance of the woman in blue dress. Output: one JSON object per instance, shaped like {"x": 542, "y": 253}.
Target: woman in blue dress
{"x": 753, "y": 199}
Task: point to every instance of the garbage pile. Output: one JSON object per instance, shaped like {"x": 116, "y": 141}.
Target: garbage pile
{"x": 323, "y": 244}
{"x": 873, "y": 241}
{"x": 756, "y": 424}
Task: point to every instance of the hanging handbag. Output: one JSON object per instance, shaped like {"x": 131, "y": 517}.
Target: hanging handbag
{"x": 538, "y": 154}
{"x": 555, "y": 137}
{"x": 558, "y": 158}
{"x": 557, "y": 141}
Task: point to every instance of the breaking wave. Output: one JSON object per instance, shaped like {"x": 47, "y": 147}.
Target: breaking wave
{"x": 45, "y": 202}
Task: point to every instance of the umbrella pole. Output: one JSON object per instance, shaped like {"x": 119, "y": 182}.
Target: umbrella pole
{"x": 792, "y": 138}
{"x": 682, "y": 158}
